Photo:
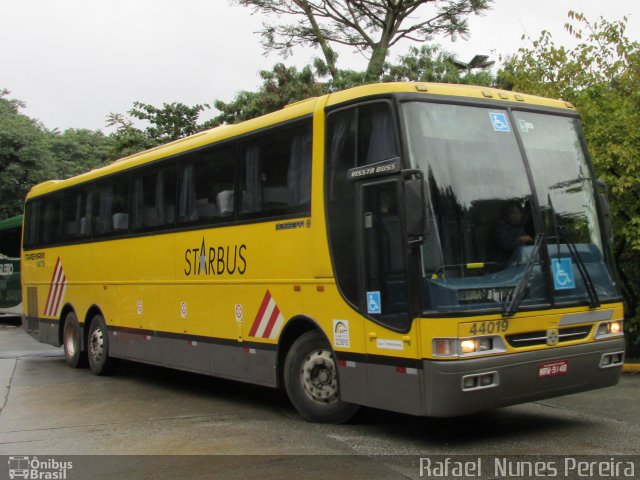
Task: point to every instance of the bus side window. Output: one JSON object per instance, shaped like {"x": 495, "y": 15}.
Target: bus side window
{"x": 153, "y": 198}
{"x": 110, "y": 206}
{"x": 341, "y": 156}
{"x": 207, "y": 184}
{"x": 359, "y": 135}
{"x": 51, "y": 220}
{"x": 276, "y": 172}
{"x": 32, "y": 223}
{"x": 74, "y": 214}
{"x": 376, "y": 137}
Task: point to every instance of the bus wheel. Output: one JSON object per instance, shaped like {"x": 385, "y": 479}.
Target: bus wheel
{"x": 311, "y": 380}
{"x": 98, "y": 348}
{"x": 73, "y": 354}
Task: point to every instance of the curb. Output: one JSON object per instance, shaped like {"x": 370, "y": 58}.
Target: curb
{"x": 631, "y": 368}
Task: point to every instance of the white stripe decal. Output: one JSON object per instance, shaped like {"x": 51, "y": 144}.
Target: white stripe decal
{"x": 277, "y": 326}
{"x": 264, "y": 321}
{"x": 57, "y": 290}
{"x": 269, "y": 319}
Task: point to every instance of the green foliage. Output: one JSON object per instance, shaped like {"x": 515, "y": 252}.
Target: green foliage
{"x": 370, "y": 27}
{"x": 29, "y": 154}
{"x": 280, "y": 86}
{"x": 432, "y": 64}
{"x": 163, "y": 124}
{"x": 284, "y": 85}
{"x": 24, "y": 155}
{"x": 79, "y": 150}
{"x": 171, "y": 122}
{"x": 601, "y": 77}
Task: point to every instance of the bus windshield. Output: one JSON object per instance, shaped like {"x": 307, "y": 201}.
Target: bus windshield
{"x": 484, "y": 220}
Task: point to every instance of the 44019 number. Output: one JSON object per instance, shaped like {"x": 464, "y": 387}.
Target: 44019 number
{"x": 487, "y": 328}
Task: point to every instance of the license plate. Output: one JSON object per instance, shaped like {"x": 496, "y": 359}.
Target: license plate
{"x": 553, "y": 369}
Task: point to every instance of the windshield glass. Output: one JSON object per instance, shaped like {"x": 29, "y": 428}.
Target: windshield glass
{"x": 481, "y": 230}
{"x": 566, "y": 197}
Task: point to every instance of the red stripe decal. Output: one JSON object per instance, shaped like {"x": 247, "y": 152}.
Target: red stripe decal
{"x": 53, "y": 277}
{"x": 57, "y": 288}
{"x": 272, "y": 322}
{"x": 60, "y": 293}
{"x": 263, "y": 308}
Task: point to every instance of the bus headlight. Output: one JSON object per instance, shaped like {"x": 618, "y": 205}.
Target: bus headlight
{"x": 468, "y": 346}
{"x": 473, "y": 345}
{"x": 610, "y": 329}
{"x": 458, "y": 347}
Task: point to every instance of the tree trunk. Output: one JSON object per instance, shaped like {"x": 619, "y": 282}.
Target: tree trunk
{"x": 376, "y": 62}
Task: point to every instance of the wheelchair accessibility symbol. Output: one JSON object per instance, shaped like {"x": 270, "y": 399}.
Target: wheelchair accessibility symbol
{"x": 563, "y": 278}
{"x": 499, "y": 122}
{"x": 373, "y": 302}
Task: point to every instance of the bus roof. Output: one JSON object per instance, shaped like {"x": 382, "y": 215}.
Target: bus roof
{"x": 294, "y": 110}
{"x": 9, "y": 223}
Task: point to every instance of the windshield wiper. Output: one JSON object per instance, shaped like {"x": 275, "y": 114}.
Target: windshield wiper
{"x": 594, "y": 301}
{"x": 518, "y": 293}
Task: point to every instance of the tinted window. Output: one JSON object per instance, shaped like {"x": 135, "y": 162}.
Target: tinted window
{"x": 154, "y": 198}
{"x": 376, "y": 137}
{"x": 110, "y": 206}
{"x": 50, "y": 231}
{"x": 276, "y": 172}
{"x": 207, "y": 180}
{"x": 32, "y": 223}
{"x": 341, "y": 151}
{"x": 356, "y": 136}
{"x": 75, "y": 216}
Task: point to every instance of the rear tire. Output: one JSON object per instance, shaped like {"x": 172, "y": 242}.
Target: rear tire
{"x": 100, "y": 362}
{"x": 311, "y": 381}
{"x": 73, "y": 353}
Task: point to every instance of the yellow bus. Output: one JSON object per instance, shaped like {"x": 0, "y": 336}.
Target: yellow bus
{"x": 427, "y": 249}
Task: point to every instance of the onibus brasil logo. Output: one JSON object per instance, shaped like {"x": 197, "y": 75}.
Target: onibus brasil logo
{"x": 32, "y": 468}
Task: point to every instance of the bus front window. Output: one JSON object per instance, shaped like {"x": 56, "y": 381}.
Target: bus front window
{"x": 566, "y": 197}
{"x": 481, "y": 232}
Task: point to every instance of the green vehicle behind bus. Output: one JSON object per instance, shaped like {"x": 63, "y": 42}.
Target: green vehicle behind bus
{"x": 10, "y": 294}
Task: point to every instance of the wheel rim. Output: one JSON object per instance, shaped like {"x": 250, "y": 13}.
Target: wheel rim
{"x": 319, "y": 377}
{"x": 70, "y": 342}
{"x": 96, "y": 345}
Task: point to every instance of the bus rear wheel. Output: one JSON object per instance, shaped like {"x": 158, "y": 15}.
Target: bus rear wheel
{"x": 100, "y": 362}
{"x": 73, "y": 353}
{"x": 311, "y": 381}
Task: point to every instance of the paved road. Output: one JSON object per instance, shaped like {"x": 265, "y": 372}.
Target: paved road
{"x": 47, "y": 408}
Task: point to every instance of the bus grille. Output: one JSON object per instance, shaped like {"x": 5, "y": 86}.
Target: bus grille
{"x": 531, "y": 339}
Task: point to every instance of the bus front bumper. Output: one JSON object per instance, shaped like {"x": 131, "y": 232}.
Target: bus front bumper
{"x": 460, "y": 387}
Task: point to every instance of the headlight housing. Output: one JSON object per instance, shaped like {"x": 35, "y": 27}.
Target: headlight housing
{"x": 613, "y": 328}
{"x": 466, "y": 347}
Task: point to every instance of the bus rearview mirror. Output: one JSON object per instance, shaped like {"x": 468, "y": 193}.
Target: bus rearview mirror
{"x": 416, "y": 211}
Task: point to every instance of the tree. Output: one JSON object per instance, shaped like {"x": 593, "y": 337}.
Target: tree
{"x": 430, "y": 63}
{"x": 170, "y": 122}
{"x": 601, "y": 77}
{"x": 24, "y": 155}
{"x": 284, "y": 85}
{"x": 76, "y": 151}
{"x": 164, "y": 124}
{"x": 372, "y": 27}
{"x": 280, "y": 86}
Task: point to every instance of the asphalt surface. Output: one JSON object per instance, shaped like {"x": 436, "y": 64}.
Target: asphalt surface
{"x": 47, "y": 408}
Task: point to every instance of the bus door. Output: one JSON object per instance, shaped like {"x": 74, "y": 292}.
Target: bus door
{"x": 383, "y": 279}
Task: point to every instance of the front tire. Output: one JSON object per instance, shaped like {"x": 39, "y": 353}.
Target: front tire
{"x": 311, "y": 381}
{"x": 73, "y": 353}
{"x": 100, "y": 362}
